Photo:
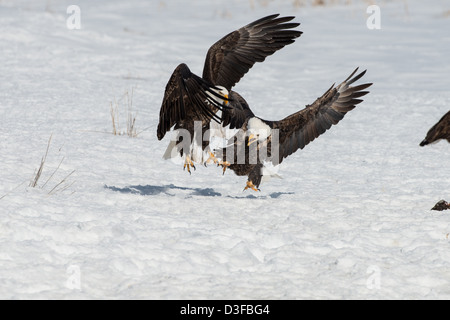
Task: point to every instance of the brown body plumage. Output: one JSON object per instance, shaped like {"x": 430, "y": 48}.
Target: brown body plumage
{"x": 441, "y": 130}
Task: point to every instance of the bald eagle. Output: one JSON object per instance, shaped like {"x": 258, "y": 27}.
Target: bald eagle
{"x": 273, "y": 141}
{"x": 189, "y": 99}
{"x": 441, "y": 130}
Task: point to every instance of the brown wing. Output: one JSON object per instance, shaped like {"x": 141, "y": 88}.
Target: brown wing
{"x": 187, "y": 97}
{"x": 232, "y": 56}
{"x": 441, "y": 130}
{"x": 300, "y": 128}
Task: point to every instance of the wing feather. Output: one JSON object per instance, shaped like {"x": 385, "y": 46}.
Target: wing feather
{"x": 230, "y": 58}
{"x": 186, "y": 99}
{"x": 302, "y": 127}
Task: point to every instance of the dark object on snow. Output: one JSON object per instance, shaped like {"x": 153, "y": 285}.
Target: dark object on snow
{"x": 441, "y": 130}
{"x": 441, "y": 206}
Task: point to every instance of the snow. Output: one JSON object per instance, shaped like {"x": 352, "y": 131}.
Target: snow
{"x": 350, "y": 219}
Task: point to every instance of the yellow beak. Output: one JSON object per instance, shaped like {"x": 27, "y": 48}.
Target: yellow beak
{"x": 225, "y": 101}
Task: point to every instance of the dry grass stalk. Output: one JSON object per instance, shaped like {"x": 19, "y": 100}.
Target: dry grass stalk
{"x": 54, "y": 190}
{"x": 12, "y": 190}
{"x": 53, "y": 173}
{"x": 37, "y": 176}
{"x": 131, "y": 123}
{"x": 114, "y": 116}
{"x": 131, "y": 117}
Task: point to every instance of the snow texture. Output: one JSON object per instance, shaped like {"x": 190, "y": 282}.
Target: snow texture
{"x": 350, "y": 219}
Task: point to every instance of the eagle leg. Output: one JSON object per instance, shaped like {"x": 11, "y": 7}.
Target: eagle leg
{"x": 250, "y": 185}
{"x": 188, "y": 164}
{"x": 224, "y": 164}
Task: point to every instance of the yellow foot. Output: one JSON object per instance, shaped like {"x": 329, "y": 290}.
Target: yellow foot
{"x": 212, "y": 158}
{"x": 250, "y": 185}
{"x": 224, "y": 164}
{"x": 188, "y": 164}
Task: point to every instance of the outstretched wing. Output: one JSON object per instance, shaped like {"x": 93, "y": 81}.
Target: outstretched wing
{"x": 441, "y": 130}
{"x": 232, "y": 56}
{"x": 187, "y": 97}
{"x": 300, "y": 128}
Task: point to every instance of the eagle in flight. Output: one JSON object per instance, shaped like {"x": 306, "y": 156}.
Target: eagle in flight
{"x": 292, "y": 133}
{"x": 190, "y": 99}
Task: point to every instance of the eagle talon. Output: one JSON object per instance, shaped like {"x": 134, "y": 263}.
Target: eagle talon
{"x": 224, "y": 164}
{"x": 250, "y": 185}
{"x": 188, "y": 164}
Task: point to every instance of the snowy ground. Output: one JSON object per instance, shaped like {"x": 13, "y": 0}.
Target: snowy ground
{"x": 350, "y": 219}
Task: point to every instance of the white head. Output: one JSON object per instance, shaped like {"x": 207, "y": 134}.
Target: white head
{"x": 258, "y": 130}
{"x": 222, "y": 91}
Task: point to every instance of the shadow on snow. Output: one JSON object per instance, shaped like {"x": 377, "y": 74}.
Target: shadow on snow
{"x": 156, "y": 190}
{"x": 150, "y": 190}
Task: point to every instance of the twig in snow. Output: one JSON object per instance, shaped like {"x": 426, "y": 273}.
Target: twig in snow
{"x": 62, "y": 181}
{"x": 12, "y": 190}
